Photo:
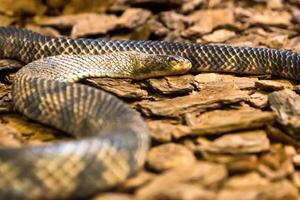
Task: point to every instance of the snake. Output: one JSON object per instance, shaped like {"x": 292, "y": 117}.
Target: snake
{"x": 112, "y": 139}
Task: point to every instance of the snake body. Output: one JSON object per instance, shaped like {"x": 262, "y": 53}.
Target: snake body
{"x": 113, "y": 138}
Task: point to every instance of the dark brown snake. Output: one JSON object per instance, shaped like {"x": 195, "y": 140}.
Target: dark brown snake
{"x": 113, "y": 138}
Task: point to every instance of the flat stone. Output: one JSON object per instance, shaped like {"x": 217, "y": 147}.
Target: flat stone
{"x": 238, "y": 143}
{"x": 219, "y": 36}
{"x": 172, "y": 85}
{"x": 166, "y": 156}
{"x": 138, "y": 180}
{"x": 120, "y": 87}
{"x": 9, "y": 136}
{"x": 254, "y": 187}
{"x": 162, "y": 131}
{"x": 221, "y": 79}
{"x": 207, "y": 20}
{"x": 173, "y": 20}
{"x": 133, "y": 17}
{"x": 259, "y": 99}
{"x": 273, "y": 85}
{"x": 208, "y": 98}
{"x": 113, "y": 196}
{"x": 286, "y": 105}
{"x": 218, "y": 121}
{"x": 275, "y": 164}
{"x": 175, "y": 191}
{"x": 203, "y": 174}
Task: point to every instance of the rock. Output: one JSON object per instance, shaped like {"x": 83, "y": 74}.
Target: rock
{"x": 6, "y": 20}
{"x": 191, "y": 5}
{"x": 219, "y": 36}
{"x": 18, "y": 8}
{"x": 139, "y": 180}
{"x": 238, "y": 143}
{"x": 88, "y": 27}
{"x": 254, "y": 187}
{"x": 157, "y": 3}
{"x": 168, "y": 156}
{"x": 113, "y": 196}
{"x": 201, "y": 174}
{"x": 286, "y": 105}
{"x": 216, "y": 122}
{"x": 277, "y": 135}
{"x": 81, "y": 24}
{"x": 173, "y": 20}
{"x": 120, "y": 87}
{"x": 157, "y": 28}
{"x": 172, "y": 85}
{"x": 209, "y": 97}
{"x": 133, "y": 17}
{"x": 275, "y": 164}
{"x": 175, "y": 191}
{"x": 273, "y": 85}
{"x": 207, "y": 20}
{"x": 221, "y": 79}
{"x": 258, "y": 99}
{"x": 79, "y": 6}
{"x": 269, "y": 17}
{"x": 9, "y": 136}
{"x": 162, "y": 131}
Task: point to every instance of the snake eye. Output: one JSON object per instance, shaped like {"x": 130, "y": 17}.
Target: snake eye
{"x": 172, "y": 61}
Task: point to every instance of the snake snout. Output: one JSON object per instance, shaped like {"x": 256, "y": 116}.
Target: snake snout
{"x": 178, "y": 65}
{"x": 161, "y": 65}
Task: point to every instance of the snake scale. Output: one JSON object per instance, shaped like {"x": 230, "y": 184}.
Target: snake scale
{"x": 113, "y": 139}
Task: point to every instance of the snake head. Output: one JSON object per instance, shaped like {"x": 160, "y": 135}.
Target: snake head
{"x": 151, "y": 65}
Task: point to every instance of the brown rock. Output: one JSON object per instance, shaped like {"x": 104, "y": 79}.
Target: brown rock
{"x": 254, "y": 187}
{"x": 94, "y": 24}
{"x": 273, "y": 85}
{"x": 6, "y": 20}
{"x": 139, "y": 180}
{"x": 189, "y": 6}
{"x": 276, "y": 164}
{"x": 168, "y": 156}
{"x": 277, "y": 41}
{"x": 162, "y": 131}
{"x": 157, "y": 28}
{"x": 21, "y": 7}
{"x": 79, "y": 6}
{"x": 83, "y": 24}
{"x": 238, "y": 143}
{"x": 43, "y": 30}
{"x": 113, "y": 196}
{"x": 120, "y": 87}
{"x": 173, "y": 85}
{"x": 259, "y": 99}
{"x": 207, "y": 20}
{"x": 286, "y": 105}
{"x": 225, "y": 79}
{"x": 219, "y": 36}
{"x": 162, "y": 3}
{"x": 202, "y": 174}
{"x": 175, "y": 191}
{"x": 269, "y": 17}
{"x": 220, "y": 121}
{"x": 277, "y": 135}
{"x": 173, "y": 20}
{"x": 133, "y": 17}
{"x": 208, "y": 97}
{"x": 9, "y": 136}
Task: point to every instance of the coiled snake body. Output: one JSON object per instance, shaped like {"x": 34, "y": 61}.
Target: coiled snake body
{"x": 113, "y": 138}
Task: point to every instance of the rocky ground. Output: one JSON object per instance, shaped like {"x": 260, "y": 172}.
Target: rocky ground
{"x": 214, "y": 136}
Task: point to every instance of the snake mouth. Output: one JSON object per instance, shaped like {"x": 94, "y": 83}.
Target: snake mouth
{"x": 181, "y": 65}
